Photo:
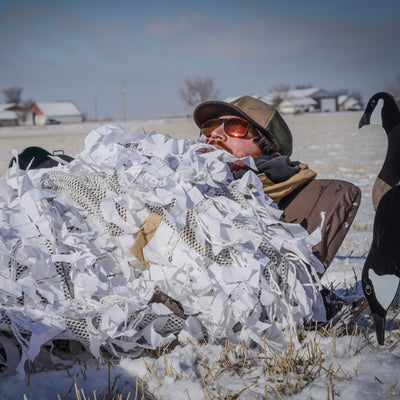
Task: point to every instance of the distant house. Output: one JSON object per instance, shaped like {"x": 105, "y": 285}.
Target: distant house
{"x": 7, "y": 117}
{"x": 299, "y": 105}
{"x": 294, "y": 101}
{"x": 61, "y": 111}
{"x": 327, "y": 100}
{"x": 310, "y": 100}
{"x": 9, "y": 114}
{"x": 302, "y": 93}
{"x": 349, "y": 103}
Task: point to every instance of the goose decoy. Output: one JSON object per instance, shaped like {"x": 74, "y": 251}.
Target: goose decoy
{"x": 381, "y": 272}
{"x": 32, "y": 154}
{"x": 36, "y": 157}
{"x": 389, "y": 175}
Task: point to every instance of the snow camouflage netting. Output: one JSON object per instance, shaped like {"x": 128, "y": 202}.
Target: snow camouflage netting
{"x": 220, "y": 250}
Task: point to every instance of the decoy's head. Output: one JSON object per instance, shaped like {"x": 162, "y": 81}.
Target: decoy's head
{"x": 373, "y": 114}
{"x": 380, "y": 291}
{"x": 377, "y": 310}
{"x": 383, "y": 110}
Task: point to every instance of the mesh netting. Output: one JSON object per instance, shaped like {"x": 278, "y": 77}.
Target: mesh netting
{"x": 225, "y": 265}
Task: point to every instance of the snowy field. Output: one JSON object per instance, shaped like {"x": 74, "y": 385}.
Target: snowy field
{"x": 323, "y": 367}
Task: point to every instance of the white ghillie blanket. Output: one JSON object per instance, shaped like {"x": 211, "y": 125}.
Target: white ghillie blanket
{"x": 66, "y": 269}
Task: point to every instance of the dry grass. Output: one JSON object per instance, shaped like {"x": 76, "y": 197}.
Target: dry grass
{"x": 280, "y": 373}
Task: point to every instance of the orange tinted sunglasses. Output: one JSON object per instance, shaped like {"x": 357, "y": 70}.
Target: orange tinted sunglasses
{"x": 234, "y": 127}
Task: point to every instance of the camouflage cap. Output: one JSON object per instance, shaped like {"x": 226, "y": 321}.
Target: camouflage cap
{"x": 264, "y": 117}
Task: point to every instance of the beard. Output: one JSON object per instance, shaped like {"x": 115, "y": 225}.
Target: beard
{"x": 219, "y": 145}
{"x": 235, "y": 165}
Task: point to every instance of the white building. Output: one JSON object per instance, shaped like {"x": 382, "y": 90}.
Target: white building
{"x": 327, "y": 100}
{"x": 61, "y": 111}
{"x": 310, "y": 100}
{"x": 9, "y": 114}
{"x": 349, "y": 103}
{"x": 297, "y": 105}
{"x": 294, "y": 101}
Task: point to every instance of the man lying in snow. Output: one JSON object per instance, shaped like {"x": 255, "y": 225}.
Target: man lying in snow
{"x": 250, "y": 127}
{"x": 144, "y": 238}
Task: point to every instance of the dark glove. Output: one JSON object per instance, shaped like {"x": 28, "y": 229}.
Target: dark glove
{"x": 278, "y": 168}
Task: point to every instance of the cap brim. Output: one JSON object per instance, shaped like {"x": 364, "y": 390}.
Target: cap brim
{"x": 215, "y": 109}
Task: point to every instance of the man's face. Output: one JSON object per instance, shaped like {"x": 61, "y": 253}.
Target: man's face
{"x": 239, "y": 147}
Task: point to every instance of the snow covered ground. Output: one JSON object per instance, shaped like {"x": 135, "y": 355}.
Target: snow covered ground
{"x": 323, "y": 367}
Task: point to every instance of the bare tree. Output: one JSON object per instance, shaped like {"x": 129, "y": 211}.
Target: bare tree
{"x": 394, "y": 87}
{"x": 12, "y": 95}
{"x": 197, "y": 90}
{"x": 25, "y": 110}
{"x": 279, "y": 93}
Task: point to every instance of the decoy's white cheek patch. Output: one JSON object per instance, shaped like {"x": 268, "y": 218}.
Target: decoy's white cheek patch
{"x": 385, "y": 287}
{"x": 376, "y": 116}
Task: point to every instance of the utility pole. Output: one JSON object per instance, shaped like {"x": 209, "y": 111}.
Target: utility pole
{"x": 123, "y": 100}
{"x": 95, "y": 109}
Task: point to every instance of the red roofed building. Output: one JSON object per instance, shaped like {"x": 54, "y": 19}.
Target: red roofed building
{"x": 61, "y": 111}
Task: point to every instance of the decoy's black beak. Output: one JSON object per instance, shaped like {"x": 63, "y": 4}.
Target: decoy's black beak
{"x": 365, "y": 120}
{"x": 379, "y": 323}
{"x": 369, "y": 109}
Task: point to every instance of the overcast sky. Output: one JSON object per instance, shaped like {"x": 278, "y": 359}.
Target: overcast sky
{"x": 84, "y": 50}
